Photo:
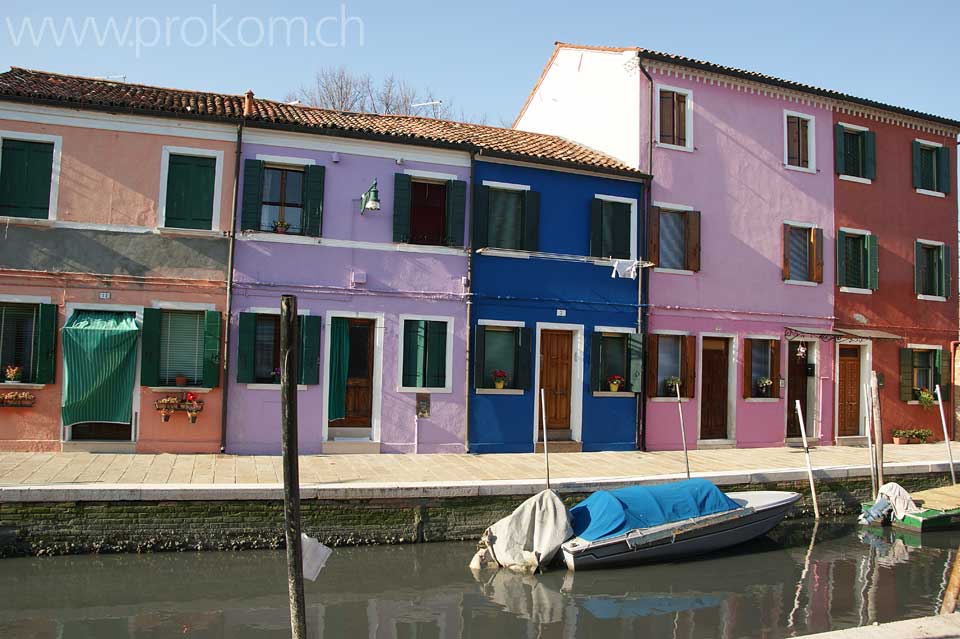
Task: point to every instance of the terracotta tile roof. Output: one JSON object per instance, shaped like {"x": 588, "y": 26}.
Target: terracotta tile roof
{"x": 53, "y": 88}
{"x": 762, "y": 78}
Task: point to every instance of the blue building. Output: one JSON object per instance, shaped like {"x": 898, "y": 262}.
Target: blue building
{"x": 547, "y": 312}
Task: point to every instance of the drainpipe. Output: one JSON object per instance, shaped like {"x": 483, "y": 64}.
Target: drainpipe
{"x": 224, "y": 369}
{"x": 469, "y": 294}
{"x": 644, "y": 280}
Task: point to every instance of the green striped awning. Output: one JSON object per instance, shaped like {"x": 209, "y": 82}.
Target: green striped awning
{"x": 99, "y": 367}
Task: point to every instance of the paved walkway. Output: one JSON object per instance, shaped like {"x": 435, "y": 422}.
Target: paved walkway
{"x": 923, "y": 628}
{"x": 68, "y": 469}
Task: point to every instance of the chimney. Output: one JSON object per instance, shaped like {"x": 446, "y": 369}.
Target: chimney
{"x": 248, "y": 104}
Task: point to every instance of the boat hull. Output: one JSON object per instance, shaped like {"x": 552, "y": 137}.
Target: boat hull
{"x": 760, "y": 513}
{"x": 925, "y": 521}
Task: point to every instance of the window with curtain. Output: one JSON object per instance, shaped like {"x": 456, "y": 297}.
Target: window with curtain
{"x": 668, "y": 362}
{"x": 266, "y": 350}
{"x": 923, "y": 369}
{"x": 282, "y": 200}
{"x": 499, "y": 353}
{"x": 181, "y": 346}
{"x": 424, "y": 356}
{"x": 673, "y": 243}
{"x": 505, "y": 221}
{"x": 18, "y": 339}
{"x": 428, "y": 212}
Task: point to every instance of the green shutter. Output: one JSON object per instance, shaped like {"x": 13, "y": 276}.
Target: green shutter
{"x": 870, "y": 155}
{"x": 246, "y": 341}
{"x": 414, "y": 346}
{"x": 917, "y": 261}
{"x": 481, "y": 212}
{"x": 596, "y": 228}
{"x": 313, "y": 176}
{"x": 943, "y": 170}
{"x": 252, "y": 199}
{"x": 906, "y": 374}
{"x": 937, "y": 369}
{"x": 841, "y": 258}
{"x": 479, "y": 357}
{"x": 47, "y": 345}
{"x": 917, "y": 169}
{"x": 531, "y": 220}
{"x": 596, "y": 341}
{"x": 26, "y": 172}
{"x": 524, "y": 358}
{"x": 945, "y": 272}
{"x": 189, "y": 196}
{"x": 456, "y": 212}
{"x": 150, "y": 347}
{"x": 401, "y": 207}
{"x": 436, "y": 364}
{"x": 310, "y": 349}
{"x": 635, "y": 362}
{"x": 873, "y": 262}
{"x": 212, "y": 325}
{"x": 839, "y": 152}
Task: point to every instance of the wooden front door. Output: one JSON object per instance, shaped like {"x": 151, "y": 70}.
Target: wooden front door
{"x": 715, "y": 382}
{"x": 796, "y": 387}
{"x": 848, "y": 392}
{"x": 359, "y": 404}
{"x": 556, "y": 367}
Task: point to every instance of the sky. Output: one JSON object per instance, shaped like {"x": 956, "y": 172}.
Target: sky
{"x": 484, "y": 57}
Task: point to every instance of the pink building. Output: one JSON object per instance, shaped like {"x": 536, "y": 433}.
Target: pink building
{"x": 739, "y": 224}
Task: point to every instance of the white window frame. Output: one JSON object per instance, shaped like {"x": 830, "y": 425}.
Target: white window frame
{"x": 271, "y": 310}
{"x": 448, "y": 380}
{"x": 285, "y": 160}
{"x": 506, "y": 186}
{"x": 512, "y": 325}
{"x": 856, "y": 128}
{"x": 922, "y": 347}
{"x": 765, "y": 400}
{"x": 793, "y": 282}
{"x": 811, "y": 141}
{"x": 855, "y": 289}
{"x": 670, "y": 333}
{"x": 32, "y": 300}
{"x": 924, "y": 296}
{"x": 54, "y": 169}
{"x": 217, "y": 182}
{"x": 936, "y": 168}
{"x": 182, "y": 306}
{"x": 688, "y": 113}
{"x": 633, "y": 217}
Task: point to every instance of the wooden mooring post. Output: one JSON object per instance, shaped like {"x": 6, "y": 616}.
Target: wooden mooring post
{"x": 877, "y": 425}
{"x": 289, "y": 367}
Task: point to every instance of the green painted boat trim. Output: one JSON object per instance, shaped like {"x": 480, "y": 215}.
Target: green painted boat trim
{"x": 926, "y": 520}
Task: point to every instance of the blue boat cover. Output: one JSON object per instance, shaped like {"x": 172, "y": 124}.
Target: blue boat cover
{"x": 608, "y": 513}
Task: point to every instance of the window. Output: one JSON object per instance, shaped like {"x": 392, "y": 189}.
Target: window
{"x": 188, "y": 201}
{"x": 425, "y": 351}
{"x": 282, "y": 204}
{"x": 855, "y": 152}
{"x": 931, "y": 167}
{"x": 668, "y": 363}
{"x": 258, "y": 349}
{"x": 674, "y": 238}
{"x": 932, "y": 269}
{"x": 181, "y": 347}
{"x": 802, "y": 253}
{"x": 266, "y": 350}
{"x": 610, "y": 229}
{"x": 505, "y": 224}
{"x": 26, "y": 170}
{"x": 922, "y": 368}
{"x": 428, "y": 211}
{"x": 282, "y": 198}
{"x": 761, "y": 368}
{"x": 674, "y": 118}
{"x": 428, "y": 206}
{"x": 19, "y": 324}
{"x": 671, "y": 358}
{"x": 799, "y": 141}
{"x": 858, "y": 265}
{"x": 616, "y": 354}
{"x": 506, "y": 349}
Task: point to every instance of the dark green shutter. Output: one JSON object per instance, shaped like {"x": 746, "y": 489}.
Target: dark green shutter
{"x": 635, "y": 362}
{"x": 252, "y": 200}
{"x": 309, "y": 349}
{"x": 211, "y": 349}
{"x": 481, "y": 212}
{"x": 943, "y": 170}
{"x": 401, "y": 207}
{"x": 946, "y": 279}
{"x": 246, "y": 342}
{"x": 841, "y": 258}
{"x": 870, "y": 155}
{"x": 596, "y": 228}
{"x": 456, "y": 212}
{"x": 26, "y": 173}
{"x": 873, "y": 262}
{"x": 414, "y": 344}
{"x": 937, "y": 369}
{"x": 436, "y": 364}
{"x": 313, "y": 176}
{"x": 619, "y": 242}
{"x": 917, "y": 168}
{"x": 524, "y": 358}
{"x": 531, "y": 220}
{"x": 150, "y": 347}
{"x": 596, "y": 340}
{"x": 479, "y": 360}
{"x": 189, "y": 197}
{"x": 839, "y": 153}
{"x": 906, "y": 374}
{"x": 47, "y": 345}
{"x": 917, "y": 271}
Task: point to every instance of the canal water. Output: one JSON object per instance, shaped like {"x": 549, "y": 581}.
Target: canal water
{"x": 777, "y": 586}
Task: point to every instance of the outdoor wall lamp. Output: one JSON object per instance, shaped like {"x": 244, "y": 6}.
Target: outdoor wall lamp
{"x": 370, "y": 201}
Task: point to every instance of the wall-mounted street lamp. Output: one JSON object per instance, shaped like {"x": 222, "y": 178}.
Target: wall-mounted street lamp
{"x": 370, "y": 201}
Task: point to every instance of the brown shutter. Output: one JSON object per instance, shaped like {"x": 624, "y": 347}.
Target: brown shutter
{"x": 747, "y": 368}
{"x": 793, "y": 135}
{"x": 816, "y": 253}
{"x": 775, "y": 367}
{"x": 653, "y": 350}
{"x": 693, "y": 240}
{"x": 786, "y": 252}
{"x": 666, "y": 118}
{"x": 688, "y": 366}
{"x": 804, "y": 144}
{"x": 653, "y": 235}
{"x": 680, "y": 119}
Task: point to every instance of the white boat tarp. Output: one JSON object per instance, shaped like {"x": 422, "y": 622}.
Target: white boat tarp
{"x": 528, "y": 538}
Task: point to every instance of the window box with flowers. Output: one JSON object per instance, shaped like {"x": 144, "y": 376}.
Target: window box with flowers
{"x": 188, "y": 403}
{"x": 17, "y": 399}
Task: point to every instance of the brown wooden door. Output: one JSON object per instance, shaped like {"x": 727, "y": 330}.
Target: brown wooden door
{"x": 796, "y": 388}
{"x": 556, "y": 367}
{"x": 848, "y": 392}
{"x": 713, "y": 403}
{"x": 359, "y": 374}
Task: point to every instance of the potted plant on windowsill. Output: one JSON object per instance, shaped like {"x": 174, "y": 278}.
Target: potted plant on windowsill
{"x": 13, "y": 374}
{"x": 276, "y": 375}
{"x": 764, "y": 385}
{"x": 499, "y": 379}
{"x": 615, "y": 382}
{"x": 924, "y": 397}
{"x": 280, "y": 226}
{"x": 672, "y": 384}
